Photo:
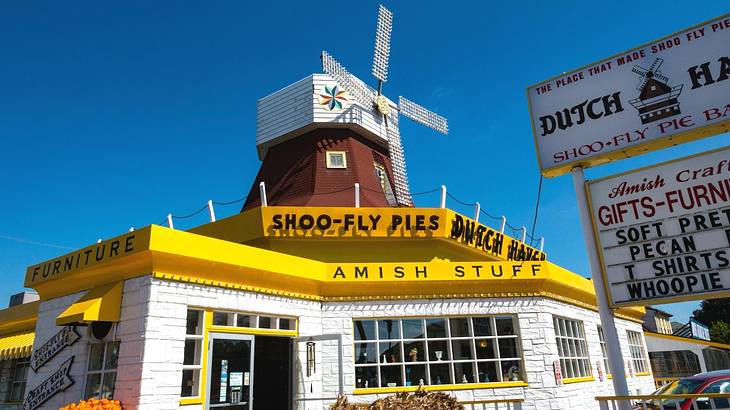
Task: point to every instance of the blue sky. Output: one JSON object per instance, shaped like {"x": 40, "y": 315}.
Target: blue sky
{"x": 113, "y": 115}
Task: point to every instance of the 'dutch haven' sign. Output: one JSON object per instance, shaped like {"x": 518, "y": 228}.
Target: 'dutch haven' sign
{"x": 664, "y": 231}
{"x": 669, "y": 91}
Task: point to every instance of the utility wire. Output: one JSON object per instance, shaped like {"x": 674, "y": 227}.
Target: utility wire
{"x": 537, "y": 207}
{"x": 231, "y": 202}
{"x": 31, "y": 242}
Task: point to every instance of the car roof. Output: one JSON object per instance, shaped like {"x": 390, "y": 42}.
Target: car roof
{"x": 709, "y": 376}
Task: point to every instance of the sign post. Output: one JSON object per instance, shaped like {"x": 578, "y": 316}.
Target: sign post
{"x": 613, "y": 346}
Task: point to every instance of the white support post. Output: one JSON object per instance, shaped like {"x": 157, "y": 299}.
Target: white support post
{"x": 504, "y": 223}
{"x": 357, "y": 194}
{"x": 211, "y": 211}
{"x": 443, "y": 196}
{"x": 542, "y": 243}
{"x": 524, "y": 233}
{"x": 262, "y": 192}
{"x": 613, "y": 346}
{"x": 169, "y": 221}
{"x": 477, "y": 209}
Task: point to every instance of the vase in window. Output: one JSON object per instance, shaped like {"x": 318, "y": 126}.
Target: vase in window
{"x": 439, "y": 354}
{"x": 413, "y": 354}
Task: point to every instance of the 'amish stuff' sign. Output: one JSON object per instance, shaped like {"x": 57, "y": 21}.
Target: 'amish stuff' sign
{"x": 664, "y": 231}
{"x": 669, "y": 91}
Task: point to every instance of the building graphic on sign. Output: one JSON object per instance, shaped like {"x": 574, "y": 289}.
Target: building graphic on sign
{"x": 656, "y": 100}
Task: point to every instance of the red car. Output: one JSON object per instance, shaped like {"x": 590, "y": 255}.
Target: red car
{"x": 711, "y": 382}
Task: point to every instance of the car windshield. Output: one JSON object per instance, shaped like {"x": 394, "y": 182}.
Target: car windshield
{"x": 677, "y": 387}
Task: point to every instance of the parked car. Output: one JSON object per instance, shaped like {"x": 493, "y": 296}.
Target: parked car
{"x": 710, "y": 382}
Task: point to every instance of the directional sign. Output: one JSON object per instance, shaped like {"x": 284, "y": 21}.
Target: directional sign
{"x": 65, "y": 337}
{"x": 663, "y": 231}
{"x": 56, "y": 382}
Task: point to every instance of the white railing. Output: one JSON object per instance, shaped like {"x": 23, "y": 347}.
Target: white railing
{"x": 504, "y": 404}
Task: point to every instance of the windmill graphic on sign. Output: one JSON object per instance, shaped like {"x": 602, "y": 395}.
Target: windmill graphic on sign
{"x": 373, "y": 99}
{"x": 656, "y": 100}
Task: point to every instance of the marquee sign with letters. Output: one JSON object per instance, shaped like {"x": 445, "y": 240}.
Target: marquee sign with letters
{"x": 663, "y": 93}
{"x": 663, "y": 232}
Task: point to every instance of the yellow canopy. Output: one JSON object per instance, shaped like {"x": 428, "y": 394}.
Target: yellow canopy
{"x": 16, "y": 346}
{"x": 100, "y": 304}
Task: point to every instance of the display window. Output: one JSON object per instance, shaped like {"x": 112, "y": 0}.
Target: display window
{"x": 604, "y": 351}
{"x": 572, "y": 350}
{"x": 638, "y": 354}
{"x": 101, "y": 373}
{"x": 18, "y": 379}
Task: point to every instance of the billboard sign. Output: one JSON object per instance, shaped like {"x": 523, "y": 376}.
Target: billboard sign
{"x": 663, "y": 93}
{"x": 663, "y": 232}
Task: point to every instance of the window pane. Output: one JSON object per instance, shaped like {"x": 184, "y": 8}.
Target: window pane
{"x": 265, "y": 322}
{"x": 192, "y": 352}
{"x": 440, "y": 374}
{"x": 364, "y": 330}
{"x": 388, "y": 329}
{"x": 511, "y": 371}
{"x": 390, "y": 352}
{"x": 96, "y": 356}
{"x": 190, "y": 383}
{"x": 505, "y": 326}
{"x": 487, "y": 372}
{"x": 366, "y": 377}
{"x": 112, "y": 356}
{"x": 459, "y": 327}
{"x": 390, "y": 376}
{"x": 107, "y": 391}
{"x": 415, "y": 374}
{"x": 438, "y": 350}
{"x": 220, "y": 319}
{"x": 286, "y": 324}
{"x": 365, "y": 353}
{"x": 412, "y": 328}
{"x": 415, "y": 351}
{"x": 508, "y": 348}
{"x": 93, "y": 385}
{"x": 464, "y": 372}
{"x": 436, "y": 327}
{"x": 461, "y": 349}
{"x": 244, "y": 321}
{"x": 192, "y": 326}
{"x": 485, "y": 348}
{"x": 483, "y": 326}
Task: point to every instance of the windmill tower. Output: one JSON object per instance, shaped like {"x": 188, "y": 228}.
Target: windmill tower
{"x": 324, "y": 133}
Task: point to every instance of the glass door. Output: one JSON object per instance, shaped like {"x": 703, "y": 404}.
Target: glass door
{"x": 230, "y": 372}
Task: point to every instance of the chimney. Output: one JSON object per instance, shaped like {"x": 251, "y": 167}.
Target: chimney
{"x": 23, "y": 297}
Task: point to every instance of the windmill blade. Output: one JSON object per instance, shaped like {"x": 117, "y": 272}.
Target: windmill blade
{"x": 359, "y": 91}
{"x": 398, "y": 164}
{"x": 639, "y": 70}
{"x": 656, "y": 64}
{"x": 660, "y": 77}
{"x": 382, "y": 44}
{"x": 642, "y": 84}
{"x": 423, "y": 116}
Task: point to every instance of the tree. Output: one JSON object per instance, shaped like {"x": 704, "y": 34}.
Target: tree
{"x": 720, "y": 332}
{"x": 713, "y": 310}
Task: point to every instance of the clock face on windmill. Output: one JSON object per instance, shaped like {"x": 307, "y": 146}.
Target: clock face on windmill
{"x": 332, "y": 98}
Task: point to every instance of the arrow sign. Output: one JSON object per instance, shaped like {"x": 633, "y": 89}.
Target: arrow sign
{"x": 58, "y": 381}
{"x": 65, "y": 337}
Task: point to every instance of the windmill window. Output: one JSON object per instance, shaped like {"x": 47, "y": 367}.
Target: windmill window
{"x": 336, "y": 159}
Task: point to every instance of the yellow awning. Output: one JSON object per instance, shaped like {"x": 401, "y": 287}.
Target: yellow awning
{"x": 16, "y": 346}
{"x": 100, "y": 304}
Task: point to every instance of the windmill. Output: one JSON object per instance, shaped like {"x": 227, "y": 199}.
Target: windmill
{"x": 373, "y": 99}
{"x": 656, "y": 100}
{"x": 647, "y": 74}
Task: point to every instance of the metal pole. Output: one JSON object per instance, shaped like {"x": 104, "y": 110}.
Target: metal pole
{"x": 524, "y": 233}
{"x": 357, "y": 194}
{"x": 169, "y": 221}
{"x": 613, "y": 346}
{"x": 542, "y": 243}
{"x": 504, "y": 223}
{"x": 443, "y": 196}
{"x": 477, "y": 208}
{"x": 211, "y": 211}
{"x": 262, "y": 192}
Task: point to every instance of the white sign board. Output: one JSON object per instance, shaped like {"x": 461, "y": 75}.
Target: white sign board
{"x": 663, "y": 232}
{"x": 58, "y": 381}
{"x": 660, "y": 94}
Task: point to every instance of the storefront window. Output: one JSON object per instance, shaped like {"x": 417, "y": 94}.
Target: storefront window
{"x": 674, "y": 364}
{"x": 604, "y": 352}
{"x": 572, "y": 348}
{"x": 192, "y": 357}
{"x": 434, "y": 351}
{"x": 638, "y": 355}
{"x": 253, "y": 321}
{"x": 17, "y": 382}
{"x": 102, "y": 371}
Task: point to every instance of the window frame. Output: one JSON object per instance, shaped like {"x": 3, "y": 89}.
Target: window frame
{"x": 604, "y": 350}
{"x": 575, "y": 368}
{"x": 12, "y": 382}
{"x": 427, "y": 360}
{"x": 328, "y": 160}
{"x": 638, "y": 358}
{"x": 199, "y": 340}
{"x": 103, "y": 370}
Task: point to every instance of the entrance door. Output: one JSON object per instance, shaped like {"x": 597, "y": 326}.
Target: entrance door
{"x": 230, "y": 372}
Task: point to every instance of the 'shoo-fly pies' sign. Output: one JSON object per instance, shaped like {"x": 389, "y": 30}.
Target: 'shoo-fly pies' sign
{"x": 666, "y": 92}
{"x": 663, "y": 232}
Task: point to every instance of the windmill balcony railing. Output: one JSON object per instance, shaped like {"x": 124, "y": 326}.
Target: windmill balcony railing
{"x": 715, "y": 401}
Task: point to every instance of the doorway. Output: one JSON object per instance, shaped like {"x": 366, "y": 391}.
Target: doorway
{"x": 273, "y": 389}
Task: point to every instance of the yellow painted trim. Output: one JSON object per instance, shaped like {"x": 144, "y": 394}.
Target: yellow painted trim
{"x": 19, "y": 318}
{"x": 102, "y": 303}
{"x": 191, "y": 400}
{"x": 643, "y": 374}
{"x": 253, "y": 331}
{"x": 16, "y": 346}
{"x": 578, "y": 380}
{"x": 207, "y": 324}
{"x": 688, "y": 340}
{"x": 440, "y": 387}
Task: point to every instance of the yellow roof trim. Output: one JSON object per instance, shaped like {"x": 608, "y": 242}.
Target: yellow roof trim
{"x": 101, "y": 304}
{"x": 16, "y": 346}
{"x": 19, "y": 318}
{"x": 687, "y": 340}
